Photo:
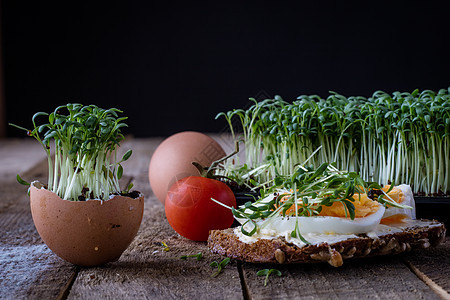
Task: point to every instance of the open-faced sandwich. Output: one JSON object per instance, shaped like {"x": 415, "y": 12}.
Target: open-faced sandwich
{"x": 324, "y": 214}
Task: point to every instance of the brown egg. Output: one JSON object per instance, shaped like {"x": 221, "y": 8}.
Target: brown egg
{"x": 173, "y": 159}
{"x": 85, "y": 233}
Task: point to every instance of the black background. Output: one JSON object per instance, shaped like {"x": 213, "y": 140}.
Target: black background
{"x": 173, "y": 67}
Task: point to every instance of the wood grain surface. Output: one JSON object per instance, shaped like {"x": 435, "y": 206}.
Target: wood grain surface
{"x": 29, "y": 270}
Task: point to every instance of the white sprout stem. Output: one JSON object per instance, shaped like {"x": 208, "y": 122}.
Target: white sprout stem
{"x": 220, "y": 203}
{"x": 396, "y": 140}
{"x": 56, "y": 170}
{"x": 50, "y": 171}
{"x": 72, "y": 181}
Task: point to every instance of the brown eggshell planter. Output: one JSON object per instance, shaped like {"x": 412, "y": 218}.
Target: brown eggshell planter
{"x": 85, "y": 233}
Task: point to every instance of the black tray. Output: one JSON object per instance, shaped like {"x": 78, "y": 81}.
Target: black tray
{"x": 432, "y": 208}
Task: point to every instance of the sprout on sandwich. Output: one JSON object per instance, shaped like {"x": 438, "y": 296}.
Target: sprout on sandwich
{"x": 314, "y": 193}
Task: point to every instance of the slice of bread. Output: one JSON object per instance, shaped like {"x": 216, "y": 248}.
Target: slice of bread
{"x": 415, "y": 234}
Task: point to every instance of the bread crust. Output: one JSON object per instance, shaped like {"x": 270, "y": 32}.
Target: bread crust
{"x": 418, "y": 234}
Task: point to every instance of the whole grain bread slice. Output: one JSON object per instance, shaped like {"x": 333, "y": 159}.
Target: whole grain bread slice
{"x": 417, "y": 234}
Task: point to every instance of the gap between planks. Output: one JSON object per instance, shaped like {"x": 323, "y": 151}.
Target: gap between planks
{"x": 244, "y": 286}
{"x": 65, "y": 291}
{"x": 435, "y": 287}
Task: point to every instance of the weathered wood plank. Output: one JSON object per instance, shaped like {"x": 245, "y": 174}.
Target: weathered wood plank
{"x": 379, "y": 274}
{"x": 137, "y": 165}
{"x": 145, "y": 270}
{"x": 433, "y": 267}
{"x": 18, "y": 156}
{"x": 374, "y": 278}
{"x": 28, "y": 269}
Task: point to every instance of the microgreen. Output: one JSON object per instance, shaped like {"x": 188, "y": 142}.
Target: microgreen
{"x": 129, "y": 187}
{"x": 220, "y": 266}
{"x": 303, "y": 194}
{"x": 403, "y": 137}
{"x": 267, "y": 273}
{"x": 85, "y": 140}
{"x": 197, "y": 256}
{"x": 21, "y": 181}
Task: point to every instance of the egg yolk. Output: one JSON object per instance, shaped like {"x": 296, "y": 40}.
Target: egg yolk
{"x": 364, "y": 206}
{"x": 395, "y": 219}
{"x": 395, "y": 194}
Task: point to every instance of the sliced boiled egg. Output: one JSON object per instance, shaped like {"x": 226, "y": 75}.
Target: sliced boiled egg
{"x": 364, "y": 206}
{"x": 332, "y": 220}
{"x": 324, "y": 224}
{"x": 332, "y": 224}
{"x": 401, "y": 194}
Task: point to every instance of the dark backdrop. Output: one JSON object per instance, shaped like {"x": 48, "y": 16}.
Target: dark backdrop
{"x": 174, "y": 67}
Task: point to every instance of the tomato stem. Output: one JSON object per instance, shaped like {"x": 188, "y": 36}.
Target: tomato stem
{"x": 208, "y": 172}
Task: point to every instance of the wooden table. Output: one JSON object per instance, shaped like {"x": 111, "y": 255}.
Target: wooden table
{"x": 28, "y": 269}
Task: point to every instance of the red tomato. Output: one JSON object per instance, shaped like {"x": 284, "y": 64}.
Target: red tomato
{"x": 190, "y": 210}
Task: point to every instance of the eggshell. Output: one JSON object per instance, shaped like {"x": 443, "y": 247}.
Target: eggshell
{"x": 173, "y": 158}
{"x": 85, "y": 233}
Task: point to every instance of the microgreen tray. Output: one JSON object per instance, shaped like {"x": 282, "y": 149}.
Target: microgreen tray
{"x": 437, "y": 208}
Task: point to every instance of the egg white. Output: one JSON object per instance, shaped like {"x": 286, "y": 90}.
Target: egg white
{"x": 319, "y": 224}
{"x": 315, "y": 230}
{"x": 408, "y": 199}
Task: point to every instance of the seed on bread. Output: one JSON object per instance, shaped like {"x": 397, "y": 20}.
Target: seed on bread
{"x": 335, "y": 259}
{"x": 322, "y": 255}
{"x": 280, "y": 256}
{"x": 350, "y": 252}
{"x": 366, "y": 251}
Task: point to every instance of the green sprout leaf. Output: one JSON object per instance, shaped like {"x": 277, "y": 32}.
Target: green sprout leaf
{"x": 127, "y": 155}
{"x": 21, "y": 181}
{"x": 402, "y": 137}
{"x": 220, "y": 266}
{"x": 85, "y": 141}
{"x": 197, "y": 256}
{"x": 129, "y": 187}
{"x": 119, "y": 172}
{"x": 267, "y": 273}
